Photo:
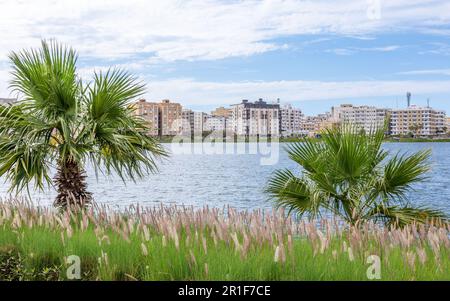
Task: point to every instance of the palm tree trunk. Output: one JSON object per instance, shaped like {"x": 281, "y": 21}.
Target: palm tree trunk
{"x": 71, "y": 185}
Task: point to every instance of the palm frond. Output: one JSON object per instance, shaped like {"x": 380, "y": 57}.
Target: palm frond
{"x": 121, "y": 137}
{"x": 46, "y": 79}
{"x": 23, "y": 162}
{"x": 401, "y": 171}
{"x": 110, "y": 94}
{"x": 400, "y": 216}
{"x": 294, "y": 193}
{"x": 351, "y": 152}
{"x": 346, "y": 174}
{"x": 25, "y": 147}
{"x": 307, "y": 154}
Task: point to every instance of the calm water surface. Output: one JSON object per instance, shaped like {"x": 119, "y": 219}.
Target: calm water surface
{"x": 238, "y": 180}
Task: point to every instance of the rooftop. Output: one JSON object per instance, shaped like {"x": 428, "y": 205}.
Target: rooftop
{"x": 257, "y": 104}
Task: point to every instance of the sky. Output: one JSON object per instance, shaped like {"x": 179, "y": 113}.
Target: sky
{"x": 204, "y": 54}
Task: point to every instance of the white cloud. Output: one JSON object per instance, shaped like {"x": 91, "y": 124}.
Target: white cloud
{"x": 341, "y": 51}
{"x": 382, "y": 49}
{"x": 190, "y": 92}
{"x": 143, "y": 32}
{"x": 437, "y": 49}
{"x": 200, "y": 93}
{"x": 353, "y": 50}
{"x": 203, "y": 29}
{"x": 427, "y": 72}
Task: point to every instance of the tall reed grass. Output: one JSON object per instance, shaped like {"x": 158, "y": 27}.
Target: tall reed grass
{"x": 182, "y": 243}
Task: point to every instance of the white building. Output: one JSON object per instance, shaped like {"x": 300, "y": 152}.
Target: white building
{"x": 291, "y": 120}
{"x": 365, "y": 117}
{"x": 218, "y": 124}
{"x": 418, "y": 121}
{"x": 187, "y": 117}
{"x": 258, "y": 118}
{"x": 199, "y": 122}
{"x": 193, "y": 122}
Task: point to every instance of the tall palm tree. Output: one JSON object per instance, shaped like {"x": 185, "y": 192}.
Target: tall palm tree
{"x": 63, "y": 122}
{"x": 349, "y": 174}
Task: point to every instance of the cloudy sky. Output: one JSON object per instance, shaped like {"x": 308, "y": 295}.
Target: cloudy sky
{"x": 313, "y": 54}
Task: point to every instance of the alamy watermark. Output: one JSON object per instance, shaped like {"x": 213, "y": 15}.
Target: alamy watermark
{"x": 215, "y": 143}
{"x": 374, "y": 270}
{"x": 73, "y": 271}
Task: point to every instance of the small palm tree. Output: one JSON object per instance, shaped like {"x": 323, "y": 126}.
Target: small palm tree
{"x": 351, "y": 176}
{"x": 61, "y": 121}
{"x": 415, "y": 129}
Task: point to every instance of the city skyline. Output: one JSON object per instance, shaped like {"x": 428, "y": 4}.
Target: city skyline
{"x": 206, "y": 54}
{"x": 260, "y": 118}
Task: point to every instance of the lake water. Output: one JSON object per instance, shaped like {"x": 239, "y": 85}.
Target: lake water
{"x": 237, "y": 178}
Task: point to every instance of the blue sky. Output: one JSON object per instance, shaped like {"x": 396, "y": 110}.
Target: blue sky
{"x": 203, "y": 54}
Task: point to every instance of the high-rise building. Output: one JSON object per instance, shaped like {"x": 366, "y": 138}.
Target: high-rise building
{"x": 291, "y": 120}
{"x": 187, "y": 117}
{"x": 199, "y": 122}
{"x": 418, "y": 121}
{"x": 193, "y": 123}
{"x": 170, "y": 118}
{"x": 164, "y": 117}
{"x": 368, "y": 118}
{"x": 150, "y": 112}
{"x": 258, "y": 118}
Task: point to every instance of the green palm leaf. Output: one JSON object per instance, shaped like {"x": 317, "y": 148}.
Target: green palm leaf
{"x": 347, "y": 174}
{"x": 401, "y": 171}
{"x": 294, "y": 193}
{"x": 61, "y": 121}
{"x": 400, "y": 216}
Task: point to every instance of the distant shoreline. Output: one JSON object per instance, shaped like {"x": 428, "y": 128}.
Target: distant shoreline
{"x": 290, "y": 140}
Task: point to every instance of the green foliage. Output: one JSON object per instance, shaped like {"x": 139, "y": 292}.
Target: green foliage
{"x": 14, "y": 267}
{"x": 60, "y": 118}
{"x": 162, "y": 244}
{"x": 350, "y": 175}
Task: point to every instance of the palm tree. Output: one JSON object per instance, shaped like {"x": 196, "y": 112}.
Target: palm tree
{"x": 61, "y": 121}
{"x": 415, "y": 129}
{"x": 348, "y": 174}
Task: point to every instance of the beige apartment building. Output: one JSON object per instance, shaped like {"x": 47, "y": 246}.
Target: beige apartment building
{"x": 313, "y": 125}
{"x": 170, "y": 118}
{"x": 419, "y": 121}
{"x": 150, "y": 112}
{"x": 221, "y": 112}
{"x": 164, "y": 117}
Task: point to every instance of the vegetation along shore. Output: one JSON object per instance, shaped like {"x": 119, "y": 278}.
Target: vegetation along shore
{"x": 176, "y": 243}
{"x": 170, "y": 139}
